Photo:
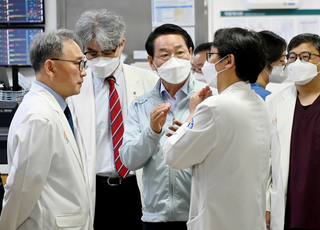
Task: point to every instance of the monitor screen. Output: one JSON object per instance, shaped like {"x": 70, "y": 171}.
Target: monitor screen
{"x": 21, "y": 11}
{"x": 14, "y": 45}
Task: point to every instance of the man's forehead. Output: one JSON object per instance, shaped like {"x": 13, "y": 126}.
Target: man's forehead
{"x": 303, "y": 47}
{"x": 72, "y": 50}
{"x": 214, "y": 49}
{"x": 166, "y": 41}
{"x": 168, "y": 47}
{"x": 201, "y": 56}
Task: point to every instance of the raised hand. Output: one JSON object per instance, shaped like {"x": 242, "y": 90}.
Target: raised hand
{"x": 174, "y": 128}
{"x": 158, "y": 116}
{"x": 199, "y": 97}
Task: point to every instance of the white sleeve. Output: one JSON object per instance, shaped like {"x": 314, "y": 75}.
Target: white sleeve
{"x": 192, "y": 142}
{"x": 32, "y": 146}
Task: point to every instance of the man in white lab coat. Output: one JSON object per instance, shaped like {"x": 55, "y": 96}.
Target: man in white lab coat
{"x": 113, "y": 197}
{"x": 226, "y": 138}
{"x": 294, "y": 190}
{"x": 47, "y": 183}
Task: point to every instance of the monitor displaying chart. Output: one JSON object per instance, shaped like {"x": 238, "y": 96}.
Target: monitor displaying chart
{"x": 14, "y": 45}
{"x": 21, "y": 11}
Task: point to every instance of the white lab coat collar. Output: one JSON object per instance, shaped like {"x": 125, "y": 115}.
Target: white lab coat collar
{"x": 239, "y": 85}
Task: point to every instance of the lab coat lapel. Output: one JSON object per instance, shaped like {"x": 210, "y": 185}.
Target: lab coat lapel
{"x": 132, "y": 88}
{"x": 87, "y": 112}
{"x": 67, "y": 133}
{"x": 69, "y": 137}
{"x": 284, "y": 125}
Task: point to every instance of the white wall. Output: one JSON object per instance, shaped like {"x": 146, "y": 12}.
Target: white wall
{"x": 50, "y": 24}
{"x": 216, "y": 22}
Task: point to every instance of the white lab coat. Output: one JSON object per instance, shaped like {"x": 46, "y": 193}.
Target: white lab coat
{"x": 227, "y": 143}
{"x": 281, "y": 111}
{"x": 138, "y": 81}
{"x": 47, "y": 185}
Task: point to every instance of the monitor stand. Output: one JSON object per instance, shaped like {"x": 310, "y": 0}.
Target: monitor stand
{"x": 15, "y": 81}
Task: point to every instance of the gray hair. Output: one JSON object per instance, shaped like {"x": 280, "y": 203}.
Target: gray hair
{"x": 104, "y": 26}
{"x": 48, "y": 45}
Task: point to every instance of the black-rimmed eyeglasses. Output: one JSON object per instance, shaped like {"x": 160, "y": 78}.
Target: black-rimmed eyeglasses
{"x": 304, "y": 56}
{"x": 209, "y": 55}
{"x": 82, "y": 63}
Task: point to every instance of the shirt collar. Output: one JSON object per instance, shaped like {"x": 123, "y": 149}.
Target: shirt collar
{"x": 184, "y": 89}
{"x": 116, "y": 75}
{"x": 59, "y": 99}
{"x": 256, "y": 84}
{"x": 118, "y": 71}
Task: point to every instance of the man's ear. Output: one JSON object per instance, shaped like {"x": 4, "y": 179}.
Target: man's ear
{"x": 190, "y": 52}
{"x": 49, "y": 68}
{"x": 123, "y": 42}
{"x": 231, "y": 61}
{"x": 151, "y": 63}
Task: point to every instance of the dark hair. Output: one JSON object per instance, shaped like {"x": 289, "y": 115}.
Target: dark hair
{"x": 216, "y": 33}
{"x": 203, "y": 47}
{"x": 304, "y": 38}
{"x": 167, "y": 29}
{"x": 248, "y": 50}
{"x": 274, "y": 45}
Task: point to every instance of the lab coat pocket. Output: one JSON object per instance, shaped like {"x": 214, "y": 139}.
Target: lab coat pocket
{"x": 198, "y": 221}
{"x": 70, "y": 220}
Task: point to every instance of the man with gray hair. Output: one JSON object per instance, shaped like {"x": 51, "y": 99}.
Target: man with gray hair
{"x": 47, "y": 185}
{"x": 114, "y": 191}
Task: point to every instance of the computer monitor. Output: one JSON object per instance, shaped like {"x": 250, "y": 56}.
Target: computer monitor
{"x": 21, "y": 11}
{"x": 14, "y": 45}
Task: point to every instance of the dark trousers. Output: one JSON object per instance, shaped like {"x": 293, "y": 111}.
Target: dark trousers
{"x": 165, "y": 226}
{"x": 117, "y": 207}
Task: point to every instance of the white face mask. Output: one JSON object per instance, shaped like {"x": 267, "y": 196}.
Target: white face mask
{"x": 103, "y": 67}
{"x": 302, "y": 73}
{"x": 175, "y": 70}
{"x": 210, "y": 73}
{"x": 199, "y": 77}
{"x": 278, "y": 74}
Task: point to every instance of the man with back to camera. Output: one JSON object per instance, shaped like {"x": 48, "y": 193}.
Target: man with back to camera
{"x": 114, "y": 191}
{"x": 47, "y": 183}
{"x": 228, "y": 151}
{"x": 166, "y": 192}
{"x": 198, "y": 60}
{"x": 293, "y": 194}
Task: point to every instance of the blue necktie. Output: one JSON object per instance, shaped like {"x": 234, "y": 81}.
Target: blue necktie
{"x": 69, "y": 118}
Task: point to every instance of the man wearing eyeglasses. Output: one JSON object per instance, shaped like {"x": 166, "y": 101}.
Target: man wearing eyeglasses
{"x": 47, "y": 186}
{"x": 101, "y": 109}
{"x": 294, "y": 189}
{"x": 166, "y": 192}
{"x": 199, "y": 59}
